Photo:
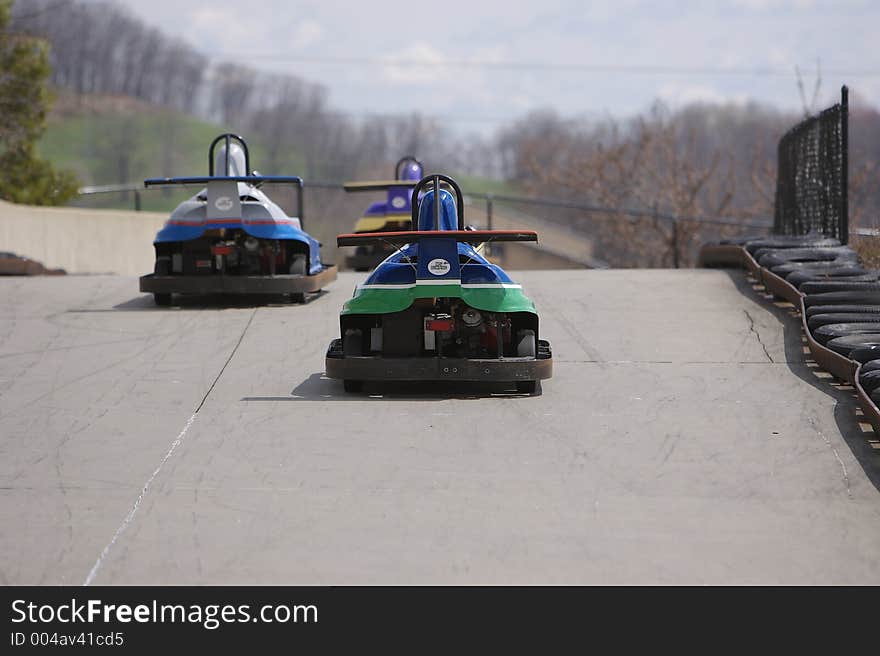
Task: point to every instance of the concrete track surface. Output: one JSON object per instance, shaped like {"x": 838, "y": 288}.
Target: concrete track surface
{"x": 682, "y": 439}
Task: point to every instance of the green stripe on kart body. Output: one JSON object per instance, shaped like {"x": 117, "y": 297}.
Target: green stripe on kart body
{"x": 375, "y": 300}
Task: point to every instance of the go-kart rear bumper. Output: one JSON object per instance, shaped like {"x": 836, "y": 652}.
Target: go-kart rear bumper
{"x": 223, "y": 284}
{"x": 438, "y": 369}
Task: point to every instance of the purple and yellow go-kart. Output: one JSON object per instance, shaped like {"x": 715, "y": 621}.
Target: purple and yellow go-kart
{"x": 390, "y": 215}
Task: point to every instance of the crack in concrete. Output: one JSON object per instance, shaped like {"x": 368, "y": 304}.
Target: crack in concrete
{"x": 177, "y": 442}
{"x": 836, "y": 455}
{"x": 757, "y": 334}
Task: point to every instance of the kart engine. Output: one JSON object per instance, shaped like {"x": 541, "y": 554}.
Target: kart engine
{"x": 230, "y": 252}
{"x": 441, "y": 328}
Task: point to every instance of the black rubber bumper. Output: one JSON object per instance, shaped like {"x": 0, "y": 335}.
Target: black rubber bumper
{"x": 220, "y": 284}
{"x": 438, "y": 369}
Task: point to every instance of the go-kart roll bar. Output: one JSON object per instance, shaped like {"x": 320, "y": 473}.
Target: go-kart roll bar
{"x": 436, "y": 179}
{"x": 249, "y": 179}
{"x": 409, "y": 236}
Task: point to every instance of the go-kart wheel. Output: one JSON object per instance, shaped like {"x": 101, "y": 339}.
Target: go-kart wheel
{"x": 526, "y": 386}
{"x": 298, "y": 265}
{"x": 352, "y": 344}
{"x": 525, "y": 344}
{"x": 353, "y": 386}
{"x": 298, "y": 297}
{"x": 162, "y": 299}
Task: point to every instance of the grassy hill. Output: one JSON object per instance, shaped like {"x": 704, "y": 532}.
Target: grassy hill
{"x": 113, "y": 140}
{"x": 110, "y": 140}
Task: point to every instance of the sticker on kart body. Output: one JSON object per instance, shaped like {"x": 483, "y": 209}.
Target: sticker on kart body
{"x": 398, "y": 202}
{"x": 223, "y": 203}
{"x": 439, "y": 267}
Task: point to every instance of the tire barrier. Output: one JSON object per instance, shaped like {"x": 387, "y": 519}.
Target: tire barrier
{"x": 846, "y": 274}
{"x": 838, "y": 301}
{"x": 850, "y": 309}
{"x": 819, "y": 320}
{"x": 833, "y": 331}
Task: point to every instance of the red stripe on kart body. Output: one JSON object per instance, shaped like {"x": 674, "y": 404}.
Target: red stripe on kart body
{"x": 234, "y": 222}
{"x": 408, "y": 236}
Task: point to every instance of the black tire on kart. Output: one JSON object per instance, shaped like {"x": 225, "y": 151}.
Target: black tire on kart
{"x": 850, "y": 309}
{"x": 526, "y": 344}
{"x": 162, "y": 267}
{"x": 869, "y": 380}
{"x": 352, "y": 386}
{"x": 299, "y": 264}
{"x": 298, "y": 297}
{"x": 849, "y": 345}
{"x": 819, "y": 320}
{"x": 162, "y": 300}
{"x": 526, "y": 386}
{"x": 352, "y": 343}
{"x": 843, "y": 298}
{"x": 824, "y": 334}
{"x": 823, "y": 286}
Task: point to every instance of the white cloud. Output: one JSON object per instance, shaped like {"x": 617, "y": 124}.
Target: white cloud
{"x": 418, "y": 65}
{"x": 307, "y": 33}
{"x": 680, "y": 94}
{"x": 745, "y": 35}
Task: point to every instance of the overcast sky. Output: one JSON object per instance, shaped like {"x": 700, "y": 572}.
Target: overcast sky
{"x": 479, "y": 63}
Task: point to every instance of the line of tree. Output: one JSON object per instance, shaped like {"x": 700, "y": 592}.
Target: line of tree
{"x": 703, "y": 160}
{"x": 101, "y": 48}
{"x": 24, "y": 101}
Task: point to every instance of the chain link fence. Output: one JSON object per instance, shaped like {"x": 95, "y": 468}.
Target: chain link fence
{"x": 811, "y": 183}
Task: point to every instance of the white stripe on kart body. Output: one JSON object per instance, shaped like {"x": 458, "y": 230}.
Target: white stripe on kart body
{"x": 430, "y": 283}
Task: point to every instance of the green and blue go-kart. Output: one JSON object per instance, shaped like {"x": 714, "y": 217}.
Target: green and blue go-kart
{"x": 231, "y": 238}
{"x": 436, "y": 309}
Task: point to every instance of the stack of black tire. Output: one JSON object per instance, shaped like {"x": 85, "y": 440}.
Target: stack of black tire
{"x": 840, "y": 299}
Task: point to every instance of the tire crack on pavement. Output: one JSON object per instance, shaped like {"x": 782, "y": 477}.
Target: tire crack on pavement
{"x": 754, "y": 330}
{"x": 836, "y": 455}
{"x": 176, "y": 443}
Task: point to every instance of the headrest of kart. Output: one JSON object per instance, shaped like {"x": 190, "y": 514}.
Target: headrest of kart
{"x": 237, "y": 161}
{"x": 412, "y": 171}
{"x": 448, "y": 215}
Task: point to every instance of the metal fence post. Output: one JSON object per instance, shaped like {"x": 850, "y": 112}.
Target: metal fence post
{"x": 844, "y": 164}
{"x": 489, "y": 211}
{"x": 675, "y": 242}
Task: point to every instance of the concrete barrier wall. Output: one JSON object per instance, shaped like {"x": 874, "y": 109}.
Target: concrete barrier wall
{"x": 81, "y": 240}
